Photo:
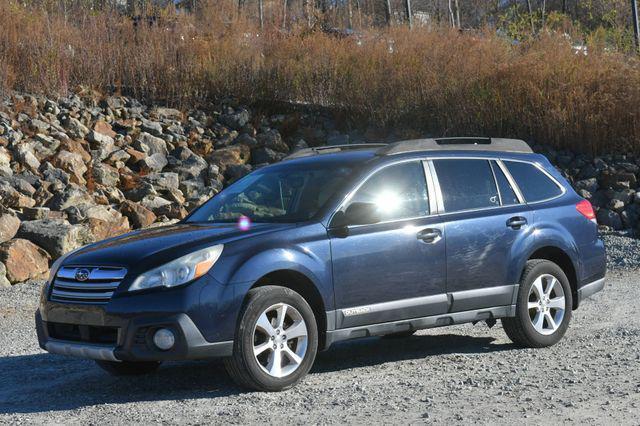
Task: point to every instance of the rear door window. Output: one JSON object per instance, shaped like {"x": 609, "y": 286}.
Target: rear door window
{"x": 466, "y": 184}
{"x": 507, "y": 194}
{"x": 533, "y": 183}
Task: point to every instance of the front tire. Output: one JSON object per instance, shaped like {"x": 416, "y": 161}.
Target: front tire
{"x": 128, "y": 368}
{"x": 544, "y": 305}
{"x": 276, "y": 340}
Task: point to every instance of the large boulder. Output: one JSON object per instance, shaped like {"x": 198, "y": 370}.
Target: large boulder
{"x": 105, "y": 175}
{"x": 271, "y": 139}
{"x": 72, "y": 195}
{"x": 4, "y": 282}
{"x": 9, "y": 225}
{"x": 57, "y": 237}
{"x": 152, "y": 127}
{"x": 236, "y": 119}
{"x": 232, "y": 155}
{"x": 24, "y": 154}
{"x": 265, "y": 155}
{"x": 138, "y": 215}
{"x": 104, "y": 222}
{"x": 153, "y": 163}
{"x": 75, "y": 128}
{"x": 104, "y": 128}
{"x": 72, "y": 163}
{"x": 150, "y": 144}
{"x": 609, "y": 218}
{"x": 168, "y": 113}
{"x": 14, "y": 199}
{"x": 590, "y": 185}
{"x": 23, "y": 260}
{"x": 162, "y": 181}
{"x": 186, "y": 163}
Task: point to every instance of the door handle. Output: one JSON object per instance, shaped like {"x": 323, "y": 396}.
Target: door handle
{"x": 516, "y": 222}
{"x": 430, "y": 235}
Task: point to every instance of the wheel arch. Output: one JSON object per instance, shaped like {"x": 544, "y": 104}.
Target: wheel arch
{"x": 561, "y": 258}
{"x": 306, "y": 288}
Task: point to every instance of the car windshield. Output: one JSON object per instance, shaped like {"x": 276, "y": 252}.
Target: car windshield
{"x": 280, "y": 194}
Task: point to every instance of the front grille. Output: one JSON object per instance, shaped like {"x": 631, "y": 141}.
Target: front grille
{"x": 89, "y": 285}
{"x": 83, "y": 333}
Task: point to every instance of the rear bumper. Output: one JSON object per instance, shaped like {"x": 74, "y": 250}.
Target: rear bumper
{"x": 135, "y": 341}
{"x": 590, "y": 289}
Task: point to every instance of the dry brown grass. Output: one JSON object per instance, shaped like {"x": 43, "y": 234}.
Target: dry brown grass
{"x": 424, "y": 81}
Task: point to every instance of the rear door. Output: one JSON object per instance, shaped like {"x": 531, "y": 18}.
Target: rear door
{"x": 394, "y": 268}
{"x": 484, "y": 217}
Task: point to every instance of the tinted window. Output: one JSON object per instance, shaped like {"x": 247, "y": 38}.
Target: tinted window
{"x": 397, "y": 192}
{"x": 507, "y": 194}
{"x": 533, "y": 183}
{"x": 466, "y": 184}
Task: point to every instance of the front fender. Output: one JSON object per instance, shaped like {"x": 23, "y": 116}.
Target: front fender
{"x": 295, "y": 259}
{"x": 304, "y": 250}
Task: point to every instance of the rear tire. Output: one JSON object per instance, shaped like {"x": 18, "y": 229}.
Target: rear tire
{"x": 543, "y": 308}
{"x": 276, "y": 340}
{"x": 128, "y": 368}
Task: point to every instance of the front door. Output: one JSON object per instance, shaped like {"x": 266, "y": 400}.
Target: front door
{"x": 394, "y": 267}
{"x": 484, "y": 221}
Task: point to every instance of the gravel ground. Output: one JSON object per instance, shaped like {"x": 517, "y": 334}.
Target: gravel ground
{"x": 458, "y": 374}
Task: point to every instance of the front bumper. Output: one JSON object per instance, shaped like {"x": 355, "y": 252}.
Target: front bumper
{"x": 201, "y": 316}
{"x": 134, "y": 341}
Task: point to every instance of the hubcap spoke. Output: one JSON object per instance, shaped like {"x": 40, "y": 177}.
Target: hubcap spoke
{"x": 538, "y": 321}
{"x": 533, "y": 305}
{"x": 275, "y": 363}
{"x": 265, "y": 325}
{"x": 550, "y": 321}
{"x": 257, "y": 350}
{"x": 282, "y": 312}
{"x": 537, "y": 288}
{"x": 552, "y": 284}
{"x": 556, "y": 303}
{"x": 297, "y": 329}
{"x": 292, "y": 356}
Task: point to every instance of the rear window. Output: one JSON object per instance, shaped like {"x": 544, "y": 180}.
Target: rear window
{"x": 533, "y": 183}
{"x": 466, "y": 184}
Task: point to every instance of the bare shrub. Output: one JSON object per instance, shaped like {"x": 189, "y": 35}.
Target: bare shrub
{"x": 435, "y": 81}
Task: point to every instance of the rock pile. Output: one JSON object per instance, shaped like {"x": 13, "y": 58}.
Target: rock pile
{"x": 84, "y": 168}
{"x": 610, "y": 182}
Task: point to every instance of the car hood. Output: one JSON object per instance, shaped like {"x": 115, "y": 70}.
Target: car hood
{"x": 151, "y": 247}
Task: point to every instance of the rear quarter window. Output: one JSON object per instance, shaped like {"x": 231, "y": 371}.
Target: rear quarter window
{"x": 533, "y": 183}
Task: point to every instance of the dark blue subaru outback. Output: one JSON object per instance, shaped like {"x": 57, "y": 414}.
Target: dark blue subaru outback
{"x": 335, "y": 243}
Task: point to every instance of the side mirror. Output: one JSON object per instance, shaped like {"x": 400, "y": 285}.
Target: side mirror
{"x": 358, "y": 214}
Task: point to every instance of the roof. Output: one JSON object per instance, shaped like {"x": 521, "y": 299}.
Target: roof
{"x": 420, "y": 145}
{"x": 456, "y": 144}
{"x": 332, "y": 149}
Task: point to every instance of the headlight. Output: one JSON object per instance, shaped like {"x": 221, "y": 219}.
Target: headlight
{"x": 179, "y": 271}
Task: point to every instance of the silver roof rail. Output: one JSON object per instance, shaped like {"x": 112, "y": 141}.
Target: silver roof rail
{"x": 456, "y": 144}
{"x": 330, "y": 149}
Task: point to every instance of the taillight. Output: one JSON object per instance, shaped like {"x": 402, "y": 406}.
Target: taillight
{"x": 586, "y": 209}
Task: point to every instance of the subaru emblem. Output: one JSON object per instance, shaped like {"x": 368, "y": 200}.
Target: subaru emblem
{"x": 82, "y": 274}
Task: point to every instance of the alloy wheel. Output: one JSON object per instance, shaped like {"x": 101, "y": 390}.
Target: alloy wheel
{"x": 546, "y": 304}
{"x": 280, "y": 340}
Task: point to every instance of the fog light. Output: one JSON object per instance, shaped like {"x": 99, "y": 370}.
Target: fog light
{"x": 164, "y": 339}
